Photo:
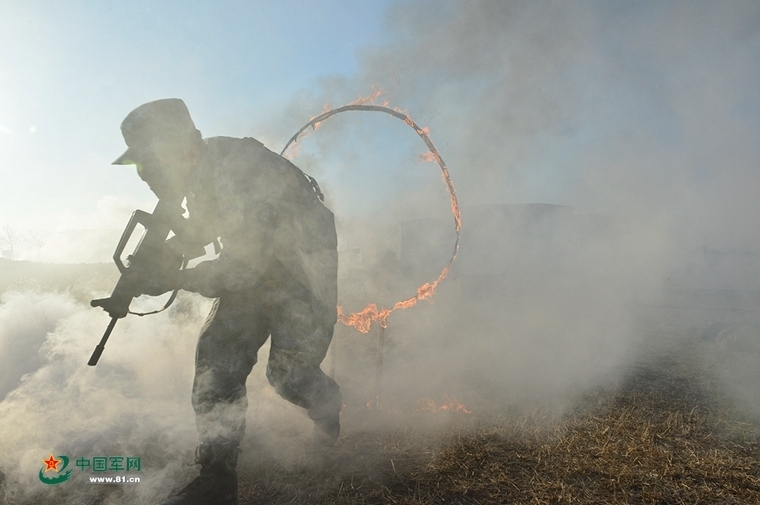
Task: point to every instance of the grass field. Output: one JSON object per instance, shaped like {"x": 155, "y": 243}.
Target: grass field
{"x": 665, "y": 435}
{"x": 80, "y": 279}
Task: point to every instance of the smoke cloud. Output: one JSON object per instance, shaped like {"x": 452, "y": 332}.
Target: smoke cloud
{"x": 129, "y": 403}
{"x": 25, "y": 321}
{"x": 639, "y": 118}
{"x": 135, "y": 403}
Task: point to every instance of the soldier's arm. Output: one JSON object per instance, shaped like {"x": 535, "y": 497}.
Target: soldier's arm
{"x": 247, "y": 249}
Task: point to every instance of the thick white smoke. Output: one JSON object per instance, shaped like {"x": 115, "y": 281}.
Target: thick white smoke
{"x": 641, "y": 117}
{"x": 25, "y": 321}
{"x": 134, "y": 403}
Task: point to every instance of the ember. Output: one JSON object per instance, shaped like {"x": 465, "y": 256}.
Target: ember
{"x": 448, "y": 405}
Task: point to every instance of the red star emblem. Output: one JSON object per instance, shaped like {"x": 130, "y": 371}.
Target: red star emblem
{"x": 51, "y": 463}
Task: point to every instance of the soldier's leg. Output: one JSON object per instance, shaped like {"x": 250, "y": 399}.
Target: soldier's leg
{"x": 234, "y": 331}
{"x": 302, "y": 329}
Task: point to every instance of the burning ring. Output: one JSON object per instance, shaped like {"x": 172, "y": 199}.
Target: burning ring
{"x": 362, "y": 320}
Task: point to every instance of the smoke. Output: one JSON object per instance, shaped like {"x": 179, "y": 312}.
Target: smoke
{"x": 127, "y": 404}
{"x": 25, "y": 321}
{"x": 617, "y": 110}
{"x": 639, "y": 117}
{"x": 134, "y": 403}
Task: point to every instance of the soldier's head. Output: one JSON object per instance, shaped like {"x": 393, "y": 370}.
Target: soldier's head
{"x": 164, "y": 145}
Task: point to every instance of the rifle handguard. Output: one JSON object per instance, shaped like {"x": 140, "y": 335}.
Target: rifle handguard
{"x": 113, "y": 308}
{"x": 153, "y": 253}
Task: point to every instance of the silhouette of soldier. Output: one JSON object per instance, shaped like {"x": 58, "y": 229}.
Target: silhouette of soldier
{"x": 276, "y": 276}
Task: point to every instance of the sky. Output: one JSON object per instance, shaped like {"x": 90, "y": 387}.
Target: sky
{"x": 77, "y": 68}
{"x": 648, "y": 109}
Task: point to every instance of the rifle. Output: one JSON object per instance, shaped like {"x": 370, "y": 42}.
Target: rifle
{"x": 153, "y": 254}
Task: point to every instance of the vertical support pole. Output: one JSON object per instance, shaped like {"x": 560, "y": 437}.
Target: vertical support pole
{"x": 379, "y": 370}
{"x": 333, "y": 358}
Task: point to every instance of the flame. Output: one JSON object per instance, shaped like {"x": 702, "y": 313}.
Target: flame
{"x": 316, "y": 125}
{"x": 370, "y": 99}
{"x": 362, "y": 321}
{"x": 294, "y": 152}
{"x": 429, "y": 156}
{"x": 448, "y": 405}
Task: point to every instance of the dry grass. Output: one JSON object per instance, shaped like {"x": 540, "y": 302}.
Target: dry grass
{"x": 664, "y": 437}
{"x": 667, "y": 434}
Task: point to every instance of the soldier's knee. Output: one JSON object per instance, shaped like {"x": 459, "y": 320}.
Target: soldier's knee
{"x": 212, "y": 387}
{"x": 289, "y": 380}
{"x": 307, "y": 387}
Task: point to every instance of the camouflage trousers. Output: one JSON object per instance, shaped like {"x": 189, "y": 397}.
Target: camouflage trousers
{"x": 301, "y": 328}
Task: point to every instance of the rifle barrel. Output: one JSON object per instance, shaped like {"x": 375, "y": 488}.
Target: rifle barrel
{"x": 102, "y": 345}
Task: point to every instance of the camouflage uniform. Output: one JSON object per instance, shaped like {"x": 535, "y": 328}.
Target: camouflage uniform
{"x": 276, "y": 275}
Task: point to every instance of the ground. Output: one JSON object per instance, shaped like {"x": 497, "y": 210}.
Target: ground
{"x": 665, "y": 435}
{"x": 668, "y": 430}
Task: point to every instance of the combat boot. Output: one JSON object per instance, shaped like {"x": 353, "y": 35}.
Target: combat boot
{"x": 326, "y": 430}
{"x": 326, "y": 417}
{"x": 217, "y": 483}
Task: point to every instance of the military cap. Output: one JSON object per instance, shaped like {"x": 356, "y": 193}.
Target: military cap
{"x": 166, "y": 120}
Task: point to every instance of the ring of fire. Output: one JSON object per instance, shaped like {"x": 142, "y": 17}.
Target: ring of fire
{"x": 362, "y": 320}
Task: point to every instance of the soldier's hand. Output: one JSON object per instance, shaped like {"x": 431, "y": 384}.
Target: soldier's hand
{"x": 154, "y": 284}
{"x": 161, "y": 283}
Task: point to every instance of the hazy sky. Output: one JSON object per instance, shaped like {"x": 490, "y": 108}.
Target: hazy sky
{"x": 71, "y": 71}
{"x": 636, "y": 108}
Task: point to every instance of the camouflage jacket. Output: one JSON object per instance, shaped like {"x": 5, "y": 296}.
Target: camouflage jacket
{"x": 268, "y": 218}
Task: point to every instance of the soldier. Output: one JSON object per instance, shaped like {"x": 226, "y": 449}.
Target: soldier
{"x": 276, "y": 276}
